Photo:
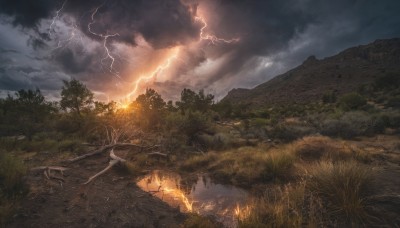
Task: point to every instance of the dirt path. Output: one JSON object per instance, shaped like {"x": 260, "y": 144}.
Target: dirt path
{"x": 112, "y": 200}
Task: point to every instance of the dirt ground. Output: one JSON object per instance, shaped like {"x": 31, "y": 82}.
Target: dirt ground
{"x": 112, "y": 200}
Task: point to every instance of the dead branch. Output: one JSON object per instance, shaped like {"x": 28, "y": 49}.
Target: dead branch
{"x": 47, "y": 171}
{"x": 103, "y": 150}
{"x": 114, "y": 160}
{"x": 110, "y": 165}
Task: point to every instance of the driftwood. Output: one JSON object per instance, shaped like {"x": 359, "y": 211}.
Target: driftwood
{"x": 114, "y": 160}
{"x": 117, "y": 160}
{"x": 105, "y": 149}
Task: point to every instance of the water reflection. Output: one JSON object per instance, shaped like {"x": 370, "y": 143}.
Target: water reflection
{"x": 199, "y": 195}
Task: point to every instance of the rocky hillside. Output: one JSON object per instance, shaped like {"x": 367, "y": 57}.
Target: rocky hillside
{"x": 342, "y": 73}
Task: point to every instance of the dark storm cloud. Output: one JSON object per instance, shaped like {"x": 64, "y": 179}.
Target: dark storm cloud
{"x": 163, "y": 23}
{"x": 289, "y": 31}
{"x": 274, "y": 36}
{"x": 74, "y": 62}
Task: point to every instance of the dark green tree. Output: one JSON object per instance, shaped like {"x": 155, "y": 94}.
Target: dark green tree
{"x": 150, "y": 108}
{"x": 191, "y": 101}
{"x": 75, "y": 97}
{"x": 25, "y": 114}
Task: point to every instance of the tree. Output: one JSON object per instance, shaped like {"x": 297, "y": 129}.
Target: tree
{"x": 150, "y": 107}
{"x": 190, "y": 101}
{"x": 25, "y": 114}
{"x": 75, "y": 97}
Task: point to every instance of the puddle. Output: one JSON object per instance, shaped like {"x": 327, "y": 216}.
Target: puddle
{"x": 200, "y": 196}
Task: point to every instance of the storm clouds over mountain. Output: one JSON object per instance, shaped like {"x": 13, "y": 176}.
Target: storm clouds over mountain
{"x": 120, "y": 47}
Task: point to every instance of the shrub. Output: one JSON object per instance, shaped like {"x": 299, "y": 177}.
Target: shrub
{"x": 290, "y": 131}
{"x": 189, "y": 124}
{"x": 350, "y": 125}
{"x": 351, "y": 101}
{"x": 344, "y": 187}
{"x": 12, "y": 186}
{"x": 219, "y": 141}
{"x": 12, "y": 171}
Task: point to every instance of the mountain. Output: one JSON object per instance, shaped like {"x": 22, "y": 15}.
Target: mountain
{"x": 342, "y": 73}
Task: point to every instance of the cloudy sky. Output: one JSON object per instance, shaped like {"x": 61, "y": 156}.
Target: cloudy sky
{"x": 120, "y": 47}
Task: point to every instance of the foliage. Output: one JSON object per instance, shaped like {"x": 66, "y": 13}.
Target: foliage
{"x": 192, "y": 101}
{"x": 75, "y": 97}
{"x": 290, "y": 131}
{"x": 387, "y": 82}
{"x": 150, "y": 107}
{"x": 189, "y": 124}
{"x": 351, "y": 101}
{"x": 350, "y": 125}
{"x": 12, "y": 186}
{"x": 25, "y": 114}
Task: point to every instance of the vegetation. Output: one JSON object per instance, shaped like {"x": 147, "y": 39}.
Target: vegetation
{"x": 301, "y": 162}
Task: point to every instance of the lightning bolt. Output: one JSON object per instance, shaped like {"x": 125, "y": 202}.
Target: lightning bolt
{"x": 212, "y": 38}
{"x": 167, "y": 63}
{"x": 203, "y": 36}
{"x": 105, "y": 38}
{"x": 56, "y": 17}
{"x": 63, "y": 43}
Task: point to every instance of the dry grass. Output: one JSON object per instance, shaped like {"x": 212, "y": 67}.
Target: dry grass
{"x": 344, "y": 187}
{"x": 287, "y": 206}
{"x": 318, "y": 147}
{"x": 245, "y": 165}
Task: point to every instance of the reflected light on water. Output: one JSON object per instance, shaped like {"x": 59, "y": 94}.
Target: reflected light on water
{"x": 166, "y": 189}
{"x": 225, "y": 203}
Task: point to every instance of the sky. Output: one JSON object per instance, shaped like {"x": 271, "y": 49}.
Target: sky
{"x": 118, "y": 48}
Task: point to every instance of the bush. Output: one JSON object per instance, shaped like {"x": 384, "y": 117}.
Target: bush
{"x": 189, "y": 124}
{"x": 12, "y": 186}
{"x": 350, "y": 125}
{"x": 219, "y": 141}
{"x": 290, "y": 131}
{"x": 352, "y": 101}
